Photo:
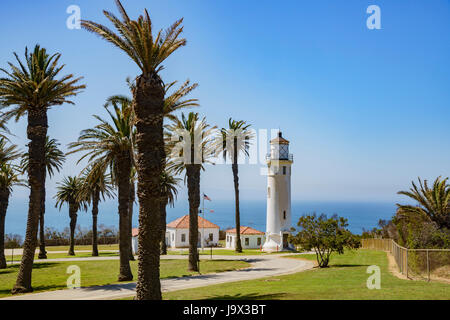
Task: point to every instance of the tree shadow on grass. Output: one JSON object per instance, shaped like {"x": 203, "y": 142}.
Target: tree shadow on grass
{"x": 249, "y": 296}
{"x": 348, "y": 265}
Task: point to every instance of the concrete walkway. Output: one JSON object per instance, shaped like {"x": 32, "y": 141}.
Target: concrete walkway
{"x": 261, "y": 267}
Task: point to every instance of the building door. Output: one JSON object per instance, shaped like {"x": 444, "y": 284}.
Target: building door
{"x": 285, "y": 240}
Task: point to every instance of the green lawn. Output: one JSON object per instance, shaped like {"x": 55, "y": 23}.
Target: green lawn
{"x": 53, "y": 276}
{"x": 50, "y": 255}
{"x": 345, "y": 279}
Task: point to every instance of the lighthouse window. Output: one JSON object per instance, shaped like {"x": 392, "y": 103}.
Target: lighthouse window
{"x": 268, "y": 192}
{"x": 284, "y": 215}
{"x": 284, "y": 170}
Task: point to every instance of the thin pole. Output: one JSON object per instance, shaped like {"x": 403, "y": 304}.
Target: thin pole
{"x": 428, "y": 265}
{"x": 203, "y": 222}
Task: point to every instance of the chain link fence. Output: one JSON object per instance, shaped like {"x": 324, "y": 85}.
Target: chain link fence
{"x": 415, "y": 264}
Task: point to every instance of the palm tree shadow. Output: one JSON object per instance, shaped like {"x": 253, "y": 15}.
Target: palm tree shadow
{"x": 250, "y": 296}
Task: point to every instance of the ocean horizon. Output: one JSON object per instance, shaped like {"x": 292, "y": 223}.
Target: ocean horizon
{"x": 360, "y": 215}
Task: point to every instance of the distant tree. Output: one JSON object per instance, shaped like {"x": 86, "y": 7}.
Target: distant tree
{"x": 96, "y": 187}
{"x": 232, "y": 141}
{"x": 324, "y": 235}
{"x": 69, "y": 191}
{"x": 193, "y": 147}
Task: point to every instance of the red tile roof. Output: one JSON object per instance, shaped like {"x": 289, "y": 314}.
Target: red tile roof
{"x": 246, "y": 230}
{"x": 183, "y": 223}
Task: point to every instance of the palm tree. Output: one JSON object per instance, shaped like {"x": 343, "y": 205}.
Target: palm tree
{"x": 131, "y": 204}
{"x": 192, "y": 146}
{"x": 31, "y": 88}
{"x": 433, "y": 203}
{"x": 112, "y": 145}
{"x": 69, "y": 191}
{"x": 232, "y": 141}
{"x": 54, "y": 159}
{"x": 169, "y": 190}
{"x": 9, "y": 177}
{"x": 135, "y": 38}
{"x": 96, "y": 187}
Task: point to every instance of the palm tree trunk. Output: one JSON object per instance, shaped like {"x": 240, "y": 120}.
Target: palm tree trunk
{"x": 42, "y": 252}
{"x": 123, "y": 176}
{"x": 36, "y": 133}
{"x": 95, "y": 201}
{"x": 4, "y": 198}
{"x": 73, "y": 223}
{"x": 193, "y": 182}
{"x": 234, "y": 166}
{"x": 163, "y": 227}
{"x": 148, "y": 102}
{"x": 130, "y": 216}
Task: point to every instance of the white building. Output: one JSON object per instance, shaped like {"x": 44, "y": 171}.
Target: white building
{"x": 177, "y": 234}
{"x": 278, "y": 223}
{"x": 250, "y": 238}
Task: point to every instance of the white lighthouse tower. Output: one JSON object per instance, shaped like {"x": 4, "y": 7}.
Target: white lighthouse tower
{"x": 278, "y": 223}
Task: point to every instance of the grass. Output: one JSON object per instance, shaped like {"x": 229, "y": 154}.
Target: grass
{"x": 344, "y": 279}
{"x": 50, "y": 255}
{"x": 52, "y": 275}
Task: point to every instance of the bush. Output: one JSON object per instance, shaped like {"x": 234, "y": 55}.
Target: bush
{"x": 324, "y": 236}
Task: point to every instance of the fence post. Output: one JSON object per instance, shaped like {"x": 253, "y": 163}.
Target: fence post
{"x": 428, "y": 265}
{"x": 406, "y": 263}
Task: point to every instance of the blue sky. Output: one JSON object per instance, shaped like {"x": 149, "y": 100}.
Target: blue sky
{"x": 366, "y": 111}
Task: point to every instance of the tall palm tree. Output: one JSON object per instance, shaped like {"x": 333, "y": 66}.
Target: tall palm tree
{"x": 9, "y": 177}
{"x": 54, "y": 159}
{"x": 433, "y": 203}
{"x": 96, "y": 187}
{"x": 232, "y": 141}
{"x": 135, "y": 38}
{"x": 112, "y": 145}
{"x": 31, "y": 88}
{"x": 70, "y": 192}
{"x": 169, "y": 190}
{"x": 192, "y": 145}
{"x": 131, "y": 204}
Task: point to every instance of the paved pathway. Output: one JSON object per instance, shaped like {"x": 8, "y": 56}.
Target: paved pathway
{"x": 261, "y": 266}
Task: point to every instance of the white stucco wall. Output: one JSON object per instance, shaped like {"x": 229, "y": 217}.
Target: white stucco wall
{"x": 230, "y": 241}
{"x": 175, "y": 237}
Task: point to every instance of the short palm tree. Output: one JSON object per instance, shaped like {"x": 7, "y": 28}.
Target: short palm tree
{"x": 169, "y": 190}
{"x": 96, "y": 187}
{"x": 432, "y": 203}
{"x": 54, "y": 159}
{"x": 111, "y": 145}
{"x": 9, "y": 177}
{"x": 30, "y": 89}
{"x": 192, "y": 145}
{"x": 136, "y": 39}
{"x": 70, "y": 192}
{"x": 232, "y": 141}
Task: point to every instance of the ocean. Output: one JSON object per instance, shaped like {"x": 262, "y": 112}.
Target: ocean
{"x": 253, "y": 213}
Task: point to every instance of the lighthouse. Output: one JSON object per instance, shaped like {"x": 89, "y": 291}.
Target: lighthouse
{"x": 278, "y": 220}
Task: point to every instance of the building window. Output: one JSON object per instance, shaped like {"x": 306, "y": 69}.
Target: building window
{"x": 247, "y": 241}
{"x": 284, "y": 214}
{"x": 183, "y": 237}
{"x": 173, "y": 236}
{"x": 259, "y": 241}
{"x": 284, "y": 170}
{"x": 211, "y": 237}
